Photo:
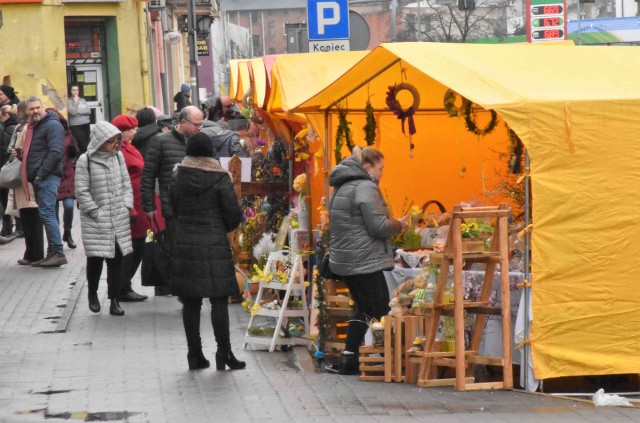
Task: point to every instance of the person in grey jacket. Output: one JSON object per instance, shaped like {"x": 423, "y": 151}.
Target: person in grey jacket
{"x": 105, "y": 199}
{"x": 79, "y": 118}
{"x": 361, "y": 230}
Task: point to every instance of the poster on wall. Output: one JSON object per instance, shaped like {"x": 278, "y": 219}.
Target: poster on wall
{"x": 203, "y": 47}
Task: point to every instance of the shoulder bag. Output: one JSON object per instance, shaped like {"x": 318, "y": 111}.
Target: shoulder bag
{"x": 10, "y": 175}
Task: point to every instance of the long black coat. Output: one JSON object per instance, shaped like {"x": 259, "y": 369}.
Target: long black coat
{"x": 206, "y": 208}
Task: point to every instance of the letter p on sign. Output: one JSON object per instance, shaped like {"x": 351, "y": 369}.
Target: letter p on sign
{"x": 328, "y": 19}
{"x": 324, "y": 18}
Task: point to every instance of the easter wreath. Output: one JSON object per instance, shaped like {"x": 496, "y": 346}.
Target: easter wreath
{"x": 472, "y": 126}
{"x": 450, "y": 104}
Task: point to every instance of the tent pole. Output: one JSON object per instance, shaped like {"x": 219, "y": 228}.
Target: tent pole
{"x": 326, "y": 156}
{"x": 365, "y": 82}
{"x": 527, "y": 274}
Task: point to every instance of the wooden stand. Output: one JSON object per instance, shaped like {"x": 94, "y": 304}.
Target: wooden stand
{"x": 377, "y": 363}
{"x": 295, "y": 282}
{"x": 463, "y": 360}
{"x": 338, "y": 309}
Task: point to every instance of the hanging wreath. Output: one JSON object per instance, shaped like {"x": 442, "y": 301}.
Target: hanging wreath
{"x": 450, "y": 104}
{"x": 370, "y": 126}
{"x": 396, "y": 108}
{"x": 470, "y": 120}
{"x": 343, "y": 135}
{"x": 516, "y": 147}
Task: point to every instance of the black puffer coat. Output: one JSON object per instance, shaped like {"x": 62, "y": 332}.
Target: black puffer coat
{"x": 47, "y": 144}
{"x": 7, "y": 132}
{"x": 165, "y": 151}
{"x": 206, "y": 208}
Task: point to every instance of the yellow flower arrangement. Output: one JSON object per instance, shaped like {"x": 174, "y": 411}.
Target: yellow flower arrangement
{"x": 474, "y": 229}
{"x": 255, "y": 308}
{"x": 300, "y": 183}
{"x": 277, "y": 276}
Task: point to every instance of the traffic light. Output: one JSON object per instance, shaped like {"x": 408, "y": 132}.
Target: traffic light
{"x": 464, "y": 5}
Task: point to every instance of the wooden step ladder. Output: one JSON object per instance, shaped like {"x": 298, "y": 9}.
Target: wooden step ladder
{"x": 462, "y": 359}
{"x": 295, "y": 283}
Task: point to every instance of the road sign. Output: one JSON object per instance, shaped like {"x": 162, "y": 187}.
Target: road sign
{"x": 546, "y": 20}
{"x": 328, "y": 19}
{"x": 328, "y": 45}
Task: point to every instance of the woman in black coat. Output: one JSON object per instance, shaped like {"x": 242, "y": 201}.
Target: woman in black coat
{"x": 206, "y": 208}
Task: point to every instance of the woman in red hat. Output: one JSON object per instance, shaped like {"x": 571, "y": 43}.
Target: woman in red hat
{"x": 128, "y": 125}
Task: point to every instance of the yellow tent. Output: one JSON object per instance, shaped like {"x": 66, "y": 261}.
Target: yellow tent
{"x": 576, "y": 109}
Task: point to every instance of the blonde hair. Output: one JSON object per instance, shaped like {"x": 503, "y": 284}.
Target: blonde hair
{"x": 9, "y": 109}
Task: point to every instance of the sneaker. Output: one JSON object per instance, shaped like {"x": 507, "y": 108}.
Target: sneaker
{"x": 55, "y": 260}
{"x": 39, "y": 262}
{"x": 24, "y": 262}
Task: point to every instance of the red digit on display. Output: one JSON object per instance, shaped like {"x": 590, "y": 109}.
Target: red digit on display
{"x": 549, "y": 10}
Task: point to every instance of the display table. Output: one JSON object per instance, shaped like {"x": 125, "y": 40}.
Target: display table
{"x": 492, "y": 341}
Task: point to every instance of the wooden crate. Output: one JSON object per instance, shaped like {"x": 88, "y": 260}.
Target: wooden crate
{"x": 377, "y": 363}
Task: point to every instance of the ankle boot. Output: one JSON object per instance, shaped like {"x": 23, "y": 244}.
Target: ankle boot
{"x": 115, "y": 309}
{"x": 68, "y": 239}
{"x": 348, "y": 364}
{"x": 94, "y": 303}
{"x": 224, "y": 357}
{"x": 197, "y": 360}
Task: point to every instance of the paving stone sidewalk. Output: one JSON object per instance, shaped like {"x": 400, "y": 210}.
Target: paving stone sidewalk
{"x": 60, "y": 362}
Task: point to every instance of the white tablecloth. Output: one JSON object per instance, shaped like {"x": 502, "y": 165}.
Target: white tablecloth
{"x": 491, "y": 344}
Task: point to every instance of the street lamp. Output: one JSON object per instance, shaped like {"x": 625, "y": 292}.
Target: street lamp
{"x": 204, "y": 24}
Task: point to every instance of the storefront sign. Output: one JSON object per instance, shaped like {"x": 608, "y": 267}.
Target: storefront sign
{"x": 172, "y": 37}
{"x": 203, "y": 47}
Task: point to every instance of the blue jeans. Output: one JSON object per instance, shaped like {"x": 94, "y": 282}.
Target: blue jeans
{"x": 46, "y": 197}
{"x": 67, "y": 215}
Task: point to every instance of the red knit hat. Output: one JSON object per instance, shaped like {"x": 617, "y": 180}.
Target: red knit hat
{"x": 124, "y": 122}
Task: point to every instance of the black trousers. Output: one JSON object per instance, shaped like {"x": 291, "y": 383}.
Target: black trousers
{"x": 219, "y": 321}
{"x": 371, "y": 301}
{"x": 33, "y": 234}
{"x": 114, "y": 273}
{"x": 82, "y": 134}
{"x": 130, "y": 264}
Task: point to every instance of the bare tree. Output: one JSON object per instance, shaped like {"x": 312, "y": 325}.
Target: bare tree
{"x": 444, "y": 21}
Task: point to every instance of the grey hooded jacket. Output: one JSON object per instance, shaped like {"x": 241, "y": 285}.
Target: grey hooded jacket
{"x": 360, "y": 225}
{"x": 104, "y": 195}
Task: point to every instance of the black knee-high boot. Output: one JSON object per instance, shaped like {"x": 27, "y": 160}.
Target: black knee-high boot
{"x": 191, "y": 321}
{"x": 220, "y": 323}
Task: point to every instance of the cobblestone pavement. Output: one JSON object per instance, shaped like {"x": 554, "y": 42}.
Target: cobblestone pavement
{"x": 60, "y": 362}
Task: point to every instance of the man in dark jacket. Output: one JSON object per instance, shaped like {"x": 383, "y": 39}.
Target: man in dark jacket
{"x": 44, "y": 145}
{"x": 165, "y": 151}
{"x": 182, "y": 98}
{"x": 239, "y": 140}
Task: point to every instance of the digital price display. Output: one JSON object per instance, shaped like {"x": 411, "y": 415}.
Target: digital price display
{"x": 547, "y": 22}
{"x": 547, "y": 34}
{"x": 547, "y": 9}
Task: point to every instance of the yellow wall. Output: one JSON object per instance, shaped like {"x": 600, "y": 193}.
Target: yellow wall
{"x": 32, "y": 47}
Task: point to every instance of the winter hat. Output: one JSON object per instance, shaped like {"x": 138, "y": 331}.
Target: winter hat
{"x": 103, "y": 131}
{"x": 125, "y": 122}
{"x": 185, "y": 88}
{"x": 8, "y": 91}
{"x": 163, "y": 118}
{"x": 239, "y": 123}
{"x": 200, "y": 145}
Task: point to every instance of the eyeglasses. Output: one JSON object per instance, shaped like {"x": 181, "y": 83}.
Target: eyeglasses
{"x": 114, "y": 140}
{"x": 199, "y": 125}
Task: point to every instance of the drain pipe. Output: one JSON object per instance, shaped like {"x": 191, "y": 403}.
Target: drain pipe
{"x": 144, "y": 52}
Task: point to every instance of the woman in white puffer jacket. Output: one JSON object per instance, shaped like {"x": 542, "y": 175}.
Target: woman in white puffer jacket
{"x": 105, "y": 199}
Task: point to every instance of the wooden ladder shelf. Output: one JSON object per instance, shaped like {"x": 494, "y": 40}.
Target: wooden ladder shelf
{"x": 462, "y": 359}
{"x": 281, "y": 316}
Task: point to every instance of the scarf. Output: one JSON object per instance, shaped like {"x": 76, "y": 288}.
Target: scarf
{"x": 25, "y": 153}
{"x": 203, "y": 163}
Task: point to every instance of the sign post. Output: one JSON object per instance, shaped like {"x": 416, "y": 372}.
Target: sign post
{"x": 546, "y": 20}
{"x": 328, "y": 25}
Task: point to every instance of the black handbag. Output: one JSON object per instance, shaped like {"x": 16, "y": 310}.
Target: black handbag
{"x": 155, "y": 260}
{"x": 325, "y": 270}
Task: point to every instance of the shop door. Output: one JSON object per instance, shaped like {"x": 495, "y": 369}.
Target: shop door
{"x": 89, "y": 80}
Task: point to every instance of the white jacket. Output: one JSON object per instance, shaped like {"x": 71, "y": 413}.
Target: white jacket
{"x": 104, "y": 195}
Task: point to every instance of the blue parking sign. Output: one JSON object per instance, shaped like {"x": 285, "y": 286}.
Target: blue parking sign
{"x": 328, "y": 19}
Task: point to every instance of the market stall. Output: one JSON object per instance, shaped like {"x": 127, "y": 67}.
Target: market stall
{"x": 575, "y": 109}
